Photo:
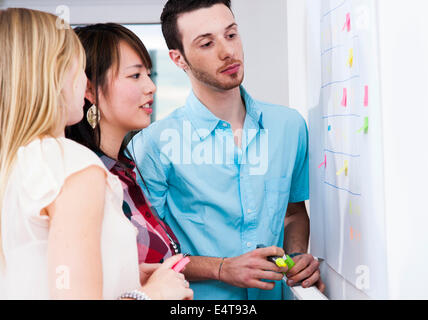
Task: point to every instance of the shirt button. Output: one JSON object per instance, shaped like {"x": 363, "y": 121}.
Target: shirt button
{"x": 249, "y": 211}
{"x": 249, "y": 244}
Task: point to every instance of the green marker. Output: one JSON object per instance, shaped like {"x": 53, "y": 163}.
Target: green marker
{"x": 285, "y": 261}
{"x": 282, "y": 262}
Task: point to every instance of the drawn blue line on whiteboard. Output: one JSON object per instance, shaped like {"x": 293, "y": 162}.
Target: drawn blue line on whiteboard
{"x": 342, "y": 115}
{"x": 339, "y": 6}
{"x": 343, "y": 153}
{"x": 339, "y": 81}
{"x": 336, "y": 187}
{"x": 331, "y": 49}
{"x": 338, "y": 46}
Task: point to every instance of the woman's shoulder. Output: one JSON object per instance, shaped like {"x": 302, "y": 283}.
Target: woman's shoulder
{"x": 44, "y": 164}
{"x": 60, "y": 153}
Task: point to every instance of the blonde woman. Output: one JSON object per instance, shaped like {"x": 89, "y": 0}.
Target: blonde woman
{"x": 63, "y": 232}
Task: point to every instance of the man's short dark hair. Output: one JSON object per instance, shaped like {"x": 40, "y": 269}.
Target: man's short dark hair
{"x": 171, "y": 12}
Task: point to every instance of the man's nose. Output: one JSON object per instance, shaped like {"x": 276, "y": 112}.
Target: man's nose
{"x": 225, "y": 50}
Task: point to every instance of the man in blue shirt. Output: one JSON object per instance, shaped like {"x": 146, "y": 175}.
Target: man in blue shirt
{"x": 225, "y": 171}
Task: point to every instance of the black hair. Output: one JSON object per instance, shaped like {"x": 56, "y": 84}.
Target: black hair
{"x": 101, "y": 44}
{"x": 171, "y": 12}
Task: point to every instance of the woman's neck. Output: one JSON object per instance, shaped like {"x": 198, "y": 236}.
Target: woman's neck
{"x": 111, "y": 140}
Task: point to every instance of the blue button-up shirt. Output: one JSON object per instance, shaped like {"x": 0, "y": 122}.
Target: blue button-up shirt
{"x": 221, "y": 200}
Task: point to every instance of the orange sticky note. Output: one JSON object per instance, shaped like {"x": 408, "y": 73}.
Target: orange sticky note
{"x": 354, "y": 235}
{"x": 366, "y": 96}
{"x": 345, "y": 97}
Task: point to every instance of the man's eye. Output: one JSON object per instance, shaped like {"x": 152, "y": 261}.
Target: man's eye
{"x": 231, "y": 36}
{"x": 206, "y": 45}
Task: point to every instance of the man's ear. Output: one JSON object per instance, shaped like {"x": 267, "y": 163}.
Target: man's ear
{"x": 178, "y": 58}
{"x": 90, "y": 93}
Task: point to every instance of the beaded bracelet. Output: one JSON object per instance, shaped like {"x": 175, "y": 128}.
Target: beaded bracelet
{"x": 135, "y": 294}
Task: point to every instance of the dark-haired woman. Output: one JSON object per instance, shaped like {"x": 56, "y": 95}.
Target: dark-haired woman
{"x": 119, "y": 96}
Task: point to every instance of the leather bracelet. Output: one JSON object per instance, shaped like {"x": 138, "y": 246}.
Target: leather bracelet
{"x": 219, "y": 268}
{"x": 295, "y": 254}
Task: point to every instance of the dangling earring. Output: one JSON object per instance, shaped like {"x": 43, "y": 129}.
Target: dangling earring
{"x": 93, "y": 116}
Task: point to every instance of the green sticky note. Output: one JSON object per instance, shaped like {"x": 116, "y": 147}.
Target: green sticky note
{"x": 365, "y": 127}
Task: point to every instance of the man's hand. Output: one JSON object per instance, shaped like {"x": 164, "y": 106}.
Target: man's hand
{"x": 306, "y": 271}
{"x": 247, "y": 270}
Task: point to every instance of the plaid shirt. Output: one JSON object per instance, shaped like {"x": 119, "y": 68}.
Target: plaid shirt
{"x": 152, "y": 240}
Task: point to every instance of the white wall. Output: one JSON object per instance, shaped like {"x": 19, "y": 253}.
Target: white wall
{"x": 93, "y": 11}
{"x": 262, "y": 25}
{"x": 297, "y": 71}
{"x": 403, "y": 45}
{"x": 263, "y": 28}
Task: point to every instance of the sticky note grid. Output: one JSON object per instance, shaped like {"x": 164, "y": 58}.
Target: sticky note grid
{"x": 353, "y": 103}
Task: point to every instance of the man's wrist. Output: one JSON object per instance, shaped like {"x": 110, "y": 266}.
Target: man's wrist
{"x": 220, "y": 268}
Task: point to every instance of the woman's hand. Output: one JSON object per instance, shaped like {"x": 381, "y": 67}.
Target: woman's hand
{"x": 166, "y": 284}
{"x": 146, "y": 270}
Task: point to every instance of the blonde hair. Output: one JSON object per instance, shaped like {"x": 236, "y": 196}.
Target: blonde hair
{"x": 36, "y": 54}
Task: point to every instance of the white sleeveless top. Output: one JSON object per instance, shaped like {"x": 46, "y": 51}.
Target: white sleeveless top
{"x": 35, "y": 182}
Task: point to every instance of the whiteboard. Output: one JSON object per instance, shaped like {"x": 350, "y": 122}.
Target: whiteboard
{"x": 345, "y": 137}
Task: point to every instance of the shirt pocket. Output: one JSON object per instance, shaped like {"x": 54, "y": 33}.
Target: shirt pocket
{"x": 277, "y": 193}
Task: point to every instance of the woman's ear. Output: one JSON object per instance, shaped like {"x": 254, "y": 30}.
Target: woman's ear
{"x": 90, "y": 93}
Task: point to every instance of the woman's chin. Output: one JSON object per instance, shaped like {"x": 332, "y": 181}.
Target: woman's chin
{"x": 142, "y": 125}
{"x": 74, "y": 119}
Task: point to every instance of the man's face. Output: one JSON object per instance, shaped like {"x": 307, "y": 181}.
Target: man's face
{"x": 212, "y": 47}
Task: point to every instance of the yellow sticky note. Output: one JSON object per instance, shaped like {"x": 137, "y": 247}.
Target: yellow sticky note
{"x": 344, "y": 169}
{"x": 351, "y": 58}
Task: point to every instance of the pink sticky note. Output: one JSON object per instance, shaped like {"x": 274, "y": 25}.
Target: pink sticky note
{"x": 181, "y": 264}
{"x": 324, "y": 163}
{"x": 347, "y": 23}
{"x": 366, "y": 96}
{"x": 345, "y": 97}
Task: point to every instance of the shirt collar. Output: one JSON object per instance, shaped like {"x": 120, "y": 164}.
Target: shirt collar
{"x": 111, "y": 163}
{"x": 253, "y": 111}
{"x": 202, "y": 118}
